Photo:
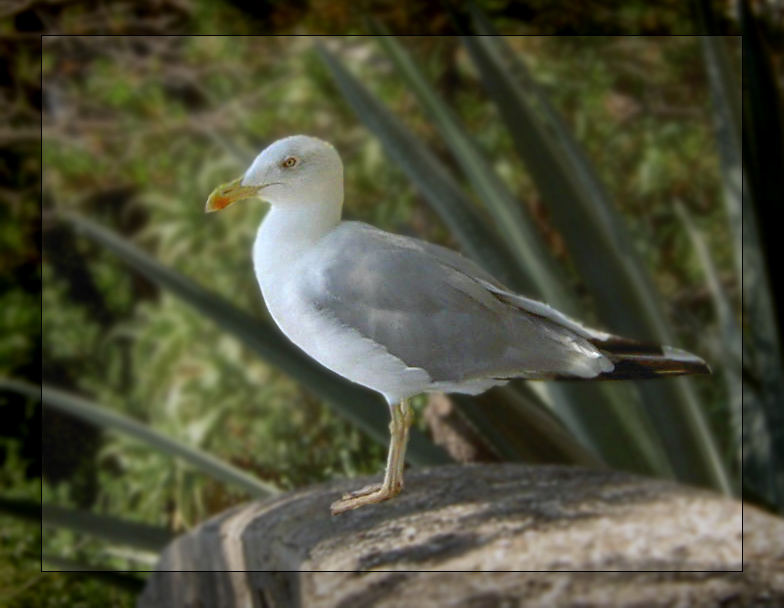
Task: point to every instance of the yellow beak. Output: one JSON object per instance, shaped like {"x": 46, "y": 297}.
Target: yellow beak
{"x": 226, "y": 194}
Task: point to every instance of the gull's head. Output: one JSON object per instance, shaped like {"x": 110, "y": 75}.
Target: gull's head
{"x": 295, "y": 170}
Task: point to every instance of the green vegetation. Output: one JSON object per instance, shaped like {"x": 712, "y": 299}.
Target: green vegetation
{"x": 151, "y": 311}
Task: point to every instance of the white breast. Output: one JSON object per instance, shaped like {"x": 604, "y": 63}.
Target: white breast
{"x": 342, "y": 349}
{"x": 335, "y": 346}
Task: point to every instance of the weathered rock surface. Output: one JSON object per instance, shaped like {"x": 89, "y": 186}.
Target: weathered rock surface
{"x": 500, "y": 517}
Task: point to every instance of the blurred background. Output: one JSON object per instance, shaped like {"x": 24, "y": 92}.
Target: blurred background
{"x": 614, "y": 194}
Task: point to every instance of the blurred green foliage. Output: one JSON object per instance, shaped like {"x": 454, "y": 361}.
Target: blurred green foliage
{"x": 137, "y": 131}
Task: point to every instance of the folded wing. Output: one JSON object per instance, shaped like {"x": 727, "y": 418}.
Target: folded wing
{"x": 436, "y": 310}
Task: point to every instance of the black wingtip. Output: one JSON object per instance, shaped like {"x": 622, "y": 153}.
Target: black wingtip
{"x": 642, "y": 368}
{"x": 634, "y": 360}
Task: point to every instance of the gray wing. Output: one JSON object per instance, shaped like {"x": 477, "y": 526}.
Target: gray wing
{"x": 434, "y": 309}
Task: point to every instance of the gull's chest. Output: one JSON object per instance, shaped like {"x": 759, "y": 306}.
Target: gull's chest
{"x": 309, "y": 323}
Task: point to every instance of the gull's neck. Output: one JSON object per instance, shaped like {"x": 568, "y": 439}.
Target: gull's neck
{"x": 286, "y": 233}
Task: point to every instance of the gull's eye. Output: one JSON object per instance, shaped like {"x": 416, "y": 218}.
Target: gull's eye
{"x": 289, "y": 162}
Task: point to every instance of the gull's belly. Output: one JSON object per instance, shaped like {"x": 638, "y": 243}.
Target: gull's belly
{"x": 342, "y": 349}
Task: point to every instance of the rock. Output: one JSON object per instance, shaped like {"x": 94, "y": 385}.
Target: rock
{"x": 491, "y": 517}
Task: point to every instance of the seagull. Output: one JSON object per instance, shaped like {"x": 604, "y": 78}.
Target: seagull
{"x": 402, "y": 316}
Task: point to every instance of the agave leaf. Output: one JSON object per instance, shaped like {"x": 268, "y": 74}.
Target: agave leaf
{"x": 579, "y": 206}
{"x": 731, "y": 340}
{"x": 632, "y": 444}
{"x": 600, "y": 248}
{"x": 750, "y": 136}
{"x": 725, "y": 94}
{"x": 105, "y": 418}
{"x": 726, "y": 98}
{"x": 360, "y": 406}
{"x": 521, "y": 235}
{"x": 110, "y": 529}
{"x": 763, "y": 157}
{"x": 129, "y": 582}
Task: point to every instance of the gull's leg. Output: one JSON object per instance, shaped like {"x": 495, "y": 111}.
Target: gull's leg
{"x": 406, "y": 417}
{"x": 392, "y": 456}
{"x": 393, "y": 475}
